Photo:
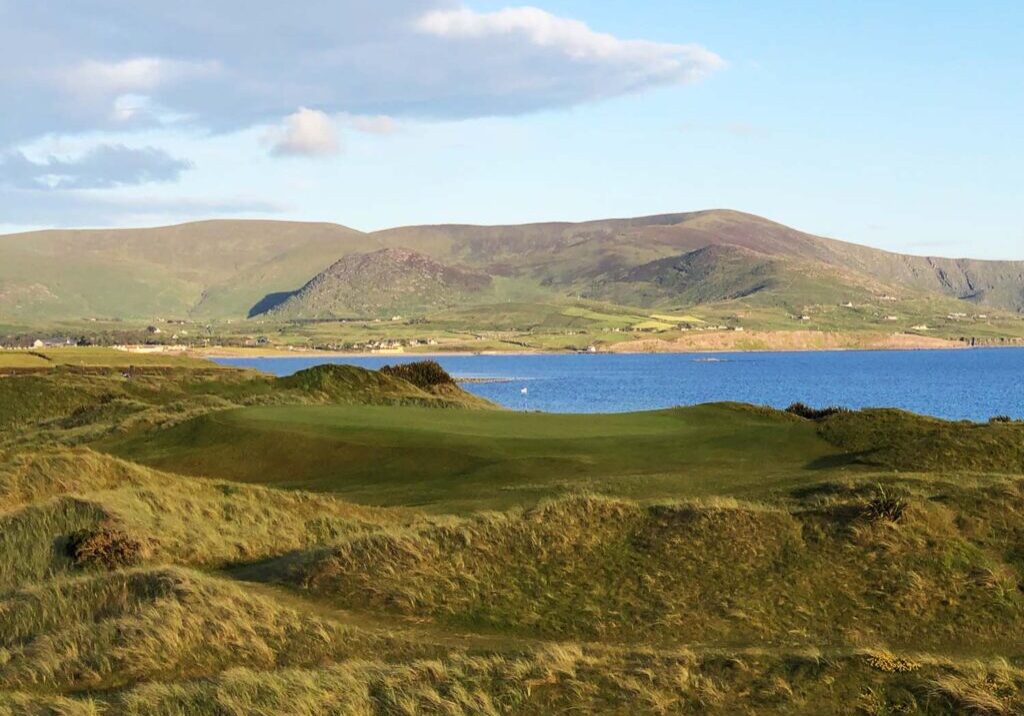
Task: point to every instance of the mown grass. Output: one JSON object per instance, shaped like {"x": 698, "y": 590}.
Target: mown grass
{"x": 499, "y": 459}
{"x": 491, "y": 460}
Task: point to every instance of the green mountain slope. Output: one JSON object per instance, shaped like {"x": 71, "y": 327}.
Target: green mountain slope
{"x": 210, "y": 268}
{"x": 234, "y": 269}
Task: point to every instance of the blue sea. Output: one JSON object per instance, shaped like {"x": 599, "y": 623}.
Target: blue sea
{"x": 956, "y": 384}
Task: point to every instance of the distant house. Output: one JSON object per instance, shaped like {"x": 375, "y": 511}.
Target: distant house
{"x": 153, "y": 330}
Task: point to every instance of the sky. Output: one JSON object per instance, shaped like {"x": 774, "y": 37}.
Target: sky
{"x": 896, "y": 125}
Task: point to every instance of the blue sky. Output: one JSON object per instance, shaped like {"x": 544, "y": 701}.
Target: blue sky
{"x": 896, "y": 125}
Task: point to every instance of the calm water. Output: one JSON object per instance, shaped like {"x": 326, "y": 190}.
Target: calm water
{"x": 972, "y": 384}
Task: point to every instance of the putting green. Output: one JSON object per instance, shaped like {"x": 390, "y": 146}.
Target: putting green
{"x": 460, "y": 460}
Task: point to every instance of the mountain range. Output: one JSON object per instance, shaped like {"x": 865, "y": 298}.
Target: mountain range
{"x": 235, "y": 269}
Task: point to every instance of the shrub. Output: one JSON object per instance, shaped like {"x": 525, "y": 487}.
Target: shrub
{"x": 422, "y": 374}
{"x": 1000, "y": 419}
{"x": 885, "y": 506}
{"x": 806, "y": 411}
{"x": 106, "y": 547}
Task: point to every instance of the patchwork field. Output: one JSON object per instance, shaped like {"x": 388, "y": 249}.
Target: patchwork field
{"x": 185, "y": 539}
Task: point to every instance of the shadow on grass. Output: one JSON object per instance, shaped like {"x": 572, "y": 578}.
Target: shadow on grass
{"x": 270, "y": 302}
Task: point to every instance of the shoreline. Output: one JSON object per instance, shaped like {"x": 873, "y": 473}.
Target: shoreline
{"x": 265, "y": 355}
{"x": 723, "y": 342}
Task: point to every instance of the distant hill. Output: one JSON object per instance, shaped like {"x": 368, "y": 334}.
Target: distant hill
{"x": 381, "y": 283}
{"x": 234, "y": 269}
{"x": 209, "y": 269}
{"x": 578, "y": 255}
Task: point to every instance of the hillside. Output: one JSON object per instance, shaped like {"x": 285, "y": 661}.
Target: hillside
{"x": 335, "y": 543}
{"x": 577, "y": 254}
{"x": 209, "y": 268}
{"x": 382, "y": 284}
{"x": 226, "y": 270}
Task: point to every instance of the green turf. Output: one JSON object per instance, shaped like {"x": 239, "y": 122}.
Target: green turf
{"x": 464, "y": 460}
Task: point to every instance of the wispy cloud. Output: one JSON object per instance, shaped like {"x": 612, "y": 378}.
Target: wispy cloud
{"x": 102, "y": 167}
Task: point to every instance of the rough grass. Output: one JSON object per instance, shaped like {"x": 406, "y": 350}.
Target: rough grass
{"x": 904, "y": 441}
{"x": 74, "y": 405}
{"x": 608, "y": 570}
{"x": 842, "y": 588}
{"x": 53, "y": 497}
{"x": 569, "y": 678}
{"x": 116, "y": 629}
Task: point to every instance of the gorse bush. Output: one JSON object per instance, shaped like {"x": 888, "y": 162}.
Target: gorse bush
{"x": 106, "y": 547}
{"x": 806, "y": 411}
{"x": 422, "y": 374}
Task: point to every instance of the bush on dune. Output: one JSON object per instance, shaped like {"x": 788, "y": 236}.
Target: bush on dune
{"x": 106, "y": 547}
{"x": 806, "y": 411}
{"x": 424, "y": 374}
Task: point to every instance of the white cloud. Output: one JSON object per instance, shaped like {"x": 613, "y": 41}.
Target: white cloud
{"x": 373, "y": 124}
{"x": 94, "y": 70}
{"x": 306, "y": 133}
{"x": 649, "y": 62}
{"x": 225, "y": 66}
